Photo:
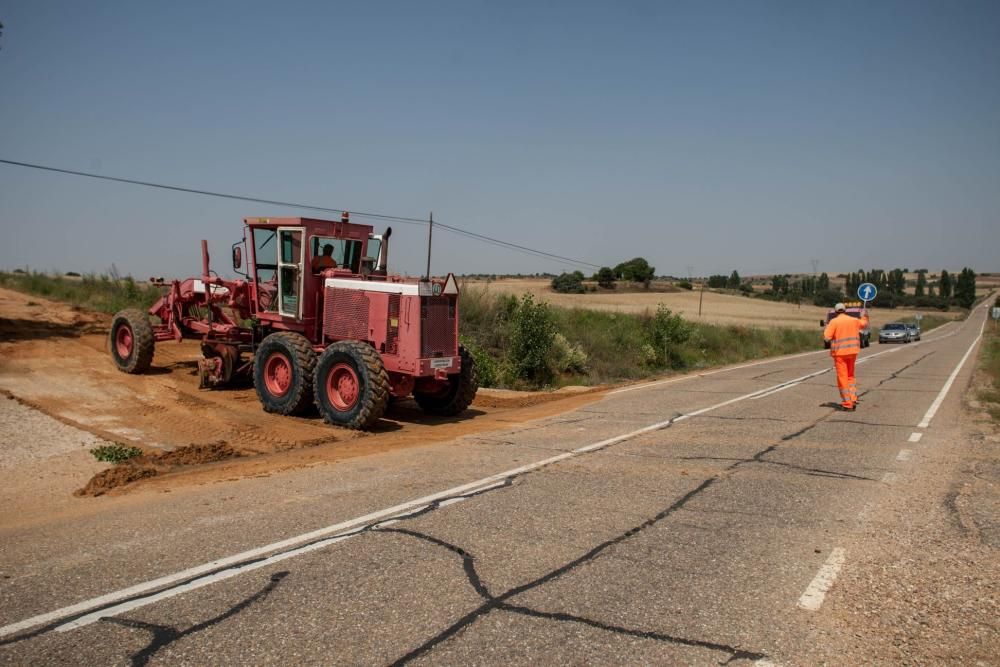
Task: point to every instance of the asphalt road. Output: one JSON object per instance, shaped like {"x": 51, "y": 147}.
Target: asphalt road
{"x": 701, "y": 520}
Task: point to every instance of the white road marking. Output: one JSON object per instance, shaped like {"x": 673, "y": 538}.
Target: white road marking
{"x": 915, "y": 437}
{"x": 889, "y": 477}
{"x": 931, "y": 411}
{"x": 771, "y": 393}
{"x": 814, "y": 595}
{"x": 230, "y": 566}
{"x": 904, "y": 455}
{"x": 693, "y": 376}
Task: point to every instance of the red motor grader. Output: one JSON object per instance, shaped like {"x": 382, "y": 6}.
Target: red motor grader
{"x": 345, "y": 336}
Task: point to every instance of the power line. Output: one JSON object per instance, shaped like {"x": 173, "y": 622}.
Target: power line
{"x": 208, "y": 193}
{"x": 274, "y": 202}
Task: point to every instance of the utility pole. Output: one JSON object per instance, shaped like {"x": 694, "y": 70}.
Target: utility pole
{"x": 701, "y": 297}
{"x": 815, "y": 263}
{"x": 430, "y": 236}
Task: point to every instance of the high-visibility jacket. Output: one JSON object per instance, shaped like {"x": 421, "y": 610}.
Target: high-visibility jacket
{"x": 844, "y": 334}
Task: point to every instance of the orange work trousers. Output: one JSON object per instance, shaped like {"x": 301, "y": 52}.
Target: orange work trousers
{"x": 845, "y": 380}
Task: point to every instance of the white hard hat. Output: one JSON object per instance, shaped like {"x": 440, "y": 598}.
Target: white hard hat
{"x": 840, "y": 308}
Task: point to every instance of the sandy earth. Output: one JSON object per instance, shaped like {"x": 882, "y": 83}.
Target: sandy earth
{"x": 716, "y": 308}
{"x": 53, "y": 358}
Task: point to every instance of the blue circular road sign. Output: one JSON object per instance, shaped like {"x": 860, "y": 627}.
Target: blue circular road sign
{"x": 867, "y": 292}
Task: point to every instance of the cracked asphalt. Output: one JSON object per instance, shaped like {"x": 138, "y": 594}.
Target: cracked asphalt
{"x": 688, "y": 543}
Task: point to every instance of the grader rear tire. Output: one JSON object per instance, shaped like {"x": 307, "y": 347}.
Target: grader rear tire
{"x": 454, "y": 398}
{"x": 351, "y": 385}
{"x": 131, "y": 341}
{"x": 283, "y": 372}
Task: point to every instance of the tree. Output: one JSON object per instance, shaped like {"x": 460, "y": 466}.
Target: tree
{"x": 734, "y": 280}
{"x": 965, "y": 288}
{"x": 605, "y": 278}
{"x": 921, "y": 283}
{"x": 569, "y": 283}
{"x": 944, "y": 285}
{"x": 636, "y": 270}
{"x": 823, "y": 283}
{"x": 717, "y": 281}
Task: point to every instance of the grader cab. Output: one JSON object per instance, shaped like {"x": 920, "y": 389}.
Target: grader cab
{"x": 316, "y": 319}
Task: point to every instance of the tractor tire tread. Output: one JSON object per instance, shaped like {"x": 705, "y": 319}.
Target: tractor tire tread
{"x": 375, "y": 400}
{"x": 461, "y": 397}
{"x": 144, "y": 342}
{"x": 304, "y": 357}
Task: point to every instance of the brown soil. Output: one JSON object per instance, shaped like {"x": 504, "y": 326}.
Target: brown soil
{"x": 53, "y": 357}
{"x": 195, "y": 454}
{"x": 115, "y": 477}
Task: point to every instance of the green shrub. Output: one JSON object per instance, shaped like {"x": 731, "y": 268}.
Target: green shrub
{"x": 486, "y": 365}
{"x": 567, "y": 357}
{"x": 115, "y": 453}
{"x": 532, "y": 330}
{"x": 668, "y": 332}
{"x": 568, "y": 283}
{"x": 685, "y": 284}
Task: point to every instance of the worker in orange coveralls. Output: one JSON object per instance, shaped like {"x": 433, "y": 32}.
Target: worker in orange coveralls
{"x": 324, "y": 261}
{"x": 844, "y": 335}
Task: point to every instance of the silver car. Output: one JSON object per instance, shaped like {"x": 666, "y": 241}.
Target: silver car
{"x": 914, "y": 330}
{"x": 894, "y": 332}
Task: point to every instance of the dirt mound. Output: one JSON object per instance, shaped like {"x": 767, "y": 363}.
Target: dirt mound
{"x": 158, "y": 463}
{"x": 196, "y": 454}
{"x": 113, "y": 478}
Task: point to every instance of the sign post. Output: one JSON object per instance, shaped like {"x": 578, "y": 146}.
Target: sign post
{"x": 867, "y": 292}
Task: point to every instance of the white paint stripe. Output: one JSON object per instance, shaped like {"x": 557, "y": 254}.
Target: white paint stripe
{"x": 693, "y": 376}
{"x": 814, "y": 595}
{"x": 915, "y": 437}
{"x": 236, "y": 563}
{"x": 904, "y": 455}
{"x": 771, "y": 393}
{"x": 889, "y": 477}
{"x": 931, "y": 411}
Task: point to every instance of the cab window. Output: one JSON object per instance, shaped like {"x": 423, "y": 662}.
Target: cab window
{"x": 347, "y": 254}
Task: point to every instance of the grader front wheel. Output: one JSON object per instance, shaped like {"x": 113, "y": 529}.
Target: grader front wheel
{"x": 131, "y": 341}
{"x": 351, "y": 385}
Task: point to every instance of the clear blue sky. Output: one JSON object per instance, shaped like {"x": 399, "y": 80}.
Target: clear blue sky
{"x": 717, "y": 135}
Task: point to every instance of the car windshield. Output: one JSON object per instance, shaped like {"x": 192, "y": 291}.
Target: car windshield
{"x": 890, "y": 327}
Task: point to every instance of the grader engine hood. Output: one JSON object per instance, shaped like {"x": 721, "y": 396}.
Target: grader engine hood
{"x": 413, "y": 325}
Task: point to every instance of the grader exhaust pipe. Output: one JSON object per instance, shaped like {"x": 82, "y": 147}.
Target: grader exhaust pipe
{"x": 383, "y": 251}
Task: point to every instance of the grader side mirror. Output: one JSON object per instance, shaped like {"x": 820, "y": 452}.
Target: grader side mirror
{"x": 237, "y": 257}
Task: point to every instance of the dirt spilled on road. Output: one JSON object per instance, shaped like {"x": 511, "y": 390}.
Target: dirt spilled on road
{"x": 53, "y": 357}
{"x": 157, "y": 463}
